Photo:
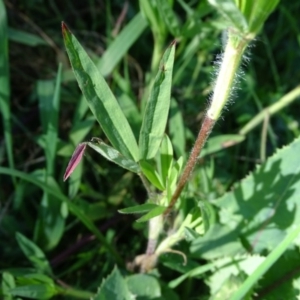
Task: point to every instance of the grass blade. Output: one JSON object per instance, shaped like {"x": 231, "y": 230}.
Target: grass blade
{"x": 138, "y": 209}
{"x": 268, "y": 262}
{"x": 157, "y": 109}
{"x": 4, "y": 85}
{"x": 25, "y": 38}
{"x": 101, "y": 100}
{"x": 49, "y": 109}
{"x": 121, "y": 44}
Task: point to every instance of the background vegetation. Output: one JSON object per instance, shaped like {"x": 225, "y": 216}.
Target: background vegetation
{"x": 62, "y": 239}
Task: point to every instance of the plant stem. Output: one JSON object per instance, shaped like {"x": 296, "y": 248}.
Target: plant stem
{"x": 230, "y": 62}
{"x": 205, "y": 130}
{"x": 155, "y": 227}
{"x": 225, "y": 79}
{"x": 271, "y": 110}
{"x": 75, "y": 293}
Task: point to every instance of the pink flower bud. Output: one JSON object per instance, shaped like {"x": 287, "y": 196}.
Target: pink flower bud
{"x": 75, "y": 160}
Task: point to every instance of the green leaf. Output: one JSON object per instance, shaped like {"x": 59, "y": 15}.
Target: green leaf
{"x": 34, "y": 254}
{"x": 195, "y": 272}
{"x": 190, "y": 234}
{"x": 152, "y": 213}
{"x": 229, "y": 10}
{"x": 48, "y": 92}
{"x": 113, "y": 155}
{"x": 149, "y": 171}
{"x": 266, "y": 201}
{"x": 50, "y": 223}
{"x": 165, "y": 158}
{"x": 138, "y": 209}
{"x": 114, "y": 287}
{"x": 266, "y": 264}
{"x": 286, "y": 264}
{"x": 217, "y": 242}
{"x": 173, "y": 176}
{"x": 25, "y": 38}
{"x": 8, "y": 282}
{"x": 176, "y": 129}
{"x": 118, "y": 48}
{"x": 169, "y": 17}
{"x": 223, "y": 281}
{"x": 5, "y": 87}
{"x": 220, "y": 142}
{"x": 101, "y": 100}
{"x": 157, "y": 108}
{"x": 72, "y": 207}
{"x": 143, "y": 286}
{"x": 207, "y": 214}
{"x": 256, "y": 12}
{"x": 34, "y": 291}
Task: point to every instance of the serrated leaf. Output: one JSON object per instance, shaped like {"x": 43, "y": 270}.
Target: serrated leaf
{"x": 266, "y": 201}
{"x": 114, "y": 155}
{"x": 114, "y": 287}
{"x": 149, "y": 171}
{"x": 157, "y": 108}
{"x": 101, "y": 100}
{"x": 34, "y": 254}
{"x": 152, "y": 213}
{"x": 138, "y": 209}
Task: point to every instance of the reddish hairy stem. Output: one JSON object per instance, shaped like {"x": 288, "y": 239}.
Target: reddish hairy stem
{"x": 204, "y": 132}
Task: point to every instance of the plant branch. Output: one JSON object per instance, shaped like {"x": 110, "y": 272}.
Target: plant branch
{"x": 271, "y": 110}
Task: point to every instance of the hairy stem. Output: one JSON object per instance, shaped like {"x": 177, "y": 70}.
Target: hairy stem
{"x": 223, "y": 87}
{"x": 205, "y": 130}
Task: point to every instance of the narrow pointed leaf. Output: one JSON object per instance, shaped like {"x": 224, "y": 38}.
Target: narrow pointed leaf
{"x": 152, "y": 213}
{"x": 138, "y": 209}
{"x": 114, "y": 155}
{"x": 34, "y": 254}
{"x": 5, "y": 87}
{"x": 152, "y": 175}
{"x": 157, "y": 108}
{"x": 100, "y": 98}
{"x": 165, "y": 158}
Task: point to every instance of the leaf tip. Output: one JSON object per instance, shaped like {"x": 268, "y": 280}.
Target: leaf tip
{"x": 64, "y": 28}
{"x": 173, "y": 43}
{"x": 75, "y": 160}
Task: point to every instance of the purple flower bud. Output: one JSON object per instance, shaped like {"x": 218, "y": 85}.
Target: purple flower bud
{"x": 75, "y": 160}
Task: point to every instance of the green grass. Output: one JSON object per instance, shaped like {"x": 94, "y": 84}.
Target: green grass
{"x": 62, "y": 239}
